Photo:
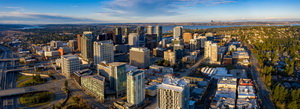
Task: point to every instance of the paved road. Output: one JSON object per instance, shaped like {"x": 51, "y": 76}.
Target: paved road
{"x": 17, "y": 66}
{"x": 41, "y": 87}
{"x": 193, "y": 68}
{"x": 8, "y": 80}
{"x": 9, "y": 59}
{"x": 263, "y": 92}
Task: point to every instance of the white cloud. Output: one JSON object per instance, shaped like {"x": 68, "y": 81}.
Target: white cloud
{"x": 26, "y": 17}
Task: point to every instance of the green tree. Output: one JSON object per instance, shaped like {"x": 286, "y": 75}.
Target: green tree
{"x": 166, "y": 63}
{"x": 293, "y": 105}
{"x": 66, "y": 83}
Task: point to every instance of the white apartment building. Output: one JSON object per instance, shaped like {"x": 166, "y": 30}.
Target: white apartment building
{"x": 70, "y": 64}
{"x": 173, "y": 93}
{"x": 103, "y": 51}
{"x": 135, "y": 87}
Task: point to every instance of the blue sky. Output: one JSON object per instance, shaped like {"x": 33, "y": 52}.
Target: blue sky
{"x": 145, "y": 11}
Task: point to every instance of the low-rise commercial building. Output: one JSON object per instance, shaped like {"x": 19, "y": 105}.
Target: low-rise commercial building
{"x": 94, "y": 85}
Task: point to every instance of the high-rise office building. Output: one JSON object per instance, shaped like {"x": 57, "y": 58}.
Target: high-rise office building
{"x": 193, "y": 44}
{"x": 177, "y": 32}
{"x": 94, "y": 85}
{"x": 164, "y": 43}
{"x": 151, "y": 41}
{"x": 133, "y": 39}
{"x": 202, "y": 41}
{"x": 105, "y": 36}
{"x": 173, "y": 93}
{"x": 118, "y": 31}
{"x": 117, "y": 78}
{"x": 187, "y": 37}
{"x": 158, "y": 30}
{"x": 140, "y": 30}
{"x": 211, "y": 51}
{"x": 73, "y": 44}
{"x": 103, "y": 51}
{"x": 87, "y": 40}
{"x": 135, "y": 87}
{"x": 126, "y": 31}
{"x": 79, "y": 42}
{"x": 170, "y": 57}
{"x": 125, "y": 36}
{"x": 117, "y": 39}
{"x": 139, "y": 57}
{"x": 70, "y": 64}
{"x": 149, "y": 30}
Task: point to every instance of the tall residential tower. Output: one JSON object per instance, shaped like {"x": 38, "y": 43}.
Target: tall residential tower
{"x": 173, "y": 93}
{"x": 158, "y": 30}
{"x": 87, "y": 41}
{"x": 103, "y": 51}
{"x": 135, "y": 87}
{"x": 177, "y": 32}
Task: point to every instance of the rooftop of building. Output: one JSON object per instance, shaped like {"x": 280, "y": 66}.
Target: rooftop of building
{"x": 245, "y": 90}
{"x": 246, "y": 103}
{"x": 203, "y": 83}
{"x": 226, "y": 92}
{"x": 70, "y": 56}
{"x": 240, "y": 53}
{"x": 192, "y": 78}
{"x": 245, "y": 82}
{"x": 238, "y": 73}
{"x": 140, "y": 49}
{"x": 83, "y": 72}
{"x": 65, "y": 47}
{"x": 135, "y": 72}
{"x": 228, "y": 80}
{"x": 198, "y": 91}
{"x": 153, "y": 87}
{"x": 98, "y": 77}
{"x": 103, "y": 42}
{"x": 116, "y": 63}
{"x": 173, "y": 83}
{"x": 158, "y": 48}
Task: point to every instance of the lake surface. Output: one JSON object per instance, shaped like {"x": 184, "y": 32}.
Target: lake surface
{"x": 31, "y": 27}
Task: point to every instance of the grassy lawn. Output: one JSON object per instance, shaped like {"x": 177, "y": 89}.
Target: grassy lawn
{"x": 76, "y": 103}
{"x": 37, "y": 99}
{"x": 22, "y": 77}
{"x": 29, "y": 82}
{"x": 34, "y": 81}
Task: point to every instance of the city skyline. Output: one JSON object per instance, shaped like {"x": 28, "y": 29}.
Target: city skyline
{"x": 149, "y": 11}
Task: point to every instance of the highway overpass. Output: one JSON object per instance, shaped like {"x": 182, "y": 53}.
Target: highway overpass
{"x": 30, "y": 89}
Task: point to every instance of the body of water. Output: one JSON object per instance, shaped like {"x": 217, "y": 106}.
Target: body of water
{"x": 31, "y": 27}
